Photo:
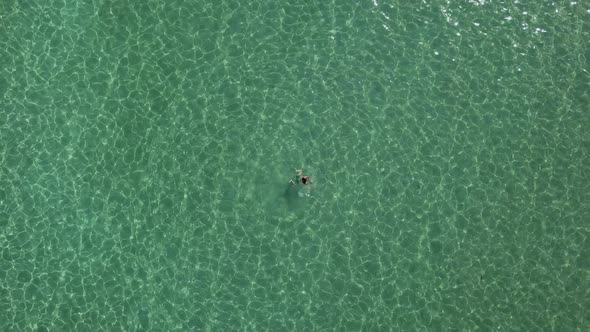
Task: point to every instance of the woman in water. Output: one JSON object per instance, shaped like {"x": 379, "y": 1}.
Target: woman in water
{"x": 300, "y": 178}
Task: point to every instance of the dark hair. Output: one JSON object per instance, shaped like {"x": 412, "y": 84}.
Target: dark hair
{"x": 304, "y": 179}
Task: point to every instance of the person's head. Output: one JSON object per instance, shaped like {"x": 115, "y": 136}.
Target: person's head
{"x": 304, "y": 179}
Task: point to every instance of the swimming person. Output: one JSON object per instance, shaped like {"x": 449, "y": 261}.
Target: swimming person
{"x": 300, "y": 178}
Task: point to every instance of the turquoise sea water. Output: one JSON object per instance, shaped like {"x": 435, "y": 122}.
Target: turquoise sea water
{"x": 146, "y": 146}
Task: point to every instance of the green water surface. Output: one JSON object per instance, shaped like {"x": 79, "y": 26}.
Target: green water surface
{"x": 146, "y": 148}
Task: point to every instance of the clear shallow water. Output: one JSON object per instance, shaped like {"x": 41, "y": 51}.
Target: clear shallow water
{"x": 145, "y": 151}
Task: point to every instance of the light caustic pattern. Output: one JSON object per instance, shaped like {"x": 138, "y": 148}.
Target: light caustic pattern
{"x": 146, "y": 148}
